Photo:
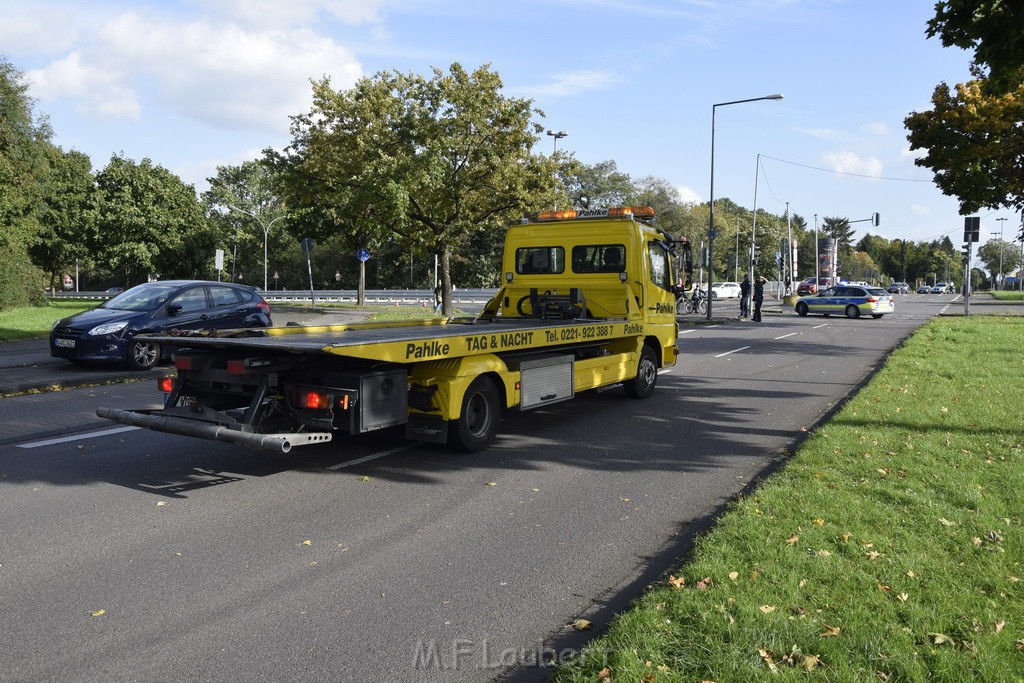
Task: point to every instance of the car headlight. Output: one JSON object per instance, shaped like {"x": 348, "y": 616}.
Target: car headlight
{"x": 109, "y": 328}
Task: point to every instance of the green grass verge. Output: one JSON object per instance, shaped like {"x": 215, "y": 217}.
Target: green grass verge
{"x": 34, "y": 322}
{"x": 1008, "y": 296}
{"x": 888, "y": 548}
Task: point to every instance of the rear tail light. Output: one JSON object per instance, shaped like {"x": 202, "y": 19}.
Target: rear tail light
{"x": 263, "y": 306}
{"x": 313, "y": 400}
{"x": 871, "y": 300}
{"x": 165, "y": 384}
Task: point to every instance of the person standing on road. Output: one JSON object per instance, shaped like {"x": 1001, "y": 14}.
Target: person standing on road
{"x": 758, "y": 296}
{"x": 745, "y": 297}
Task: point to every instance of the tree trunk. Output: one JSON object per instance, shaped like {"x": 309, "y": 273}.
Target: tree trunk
{"x": 445, "y": 253}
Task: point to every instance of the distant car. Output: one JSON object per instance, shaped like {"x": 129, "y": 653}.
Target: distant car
{"x": 114, "y": 290}
{"x": 725, "y": 290}
{"x": 812, "y": 285}
{"x": 898, "y": 288}
{"x": 107, "y": 332}
{"x": 849, "y": 301}
{"x": 924, "y": 289}
{"x": 943, "y": 288}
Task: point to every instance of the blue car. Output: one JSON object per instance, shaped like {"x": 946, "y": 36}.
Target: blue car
{"x": 107, "y": 332}
{"x": 847, "y": 300}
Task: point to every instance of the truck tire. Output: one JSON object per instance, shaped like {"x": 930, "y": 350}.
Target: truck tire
{"x": 476, "y": 427}
{"x": 646, "y": 378}
{"x": 142, "y": 355}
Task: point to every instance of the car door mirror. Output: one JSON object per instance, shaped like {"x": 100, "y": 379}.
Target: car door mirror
{"x": 174, "y": 309}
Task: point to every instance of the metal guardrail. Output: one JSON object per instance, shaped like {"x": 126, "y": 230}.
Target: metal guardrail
{"x": 411, "y": 297}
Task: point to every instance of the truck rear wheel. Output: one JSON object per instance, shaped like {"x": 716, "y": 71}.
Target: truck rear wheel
{"x": 476, "y": 427}
{"x": 646, "y": 378}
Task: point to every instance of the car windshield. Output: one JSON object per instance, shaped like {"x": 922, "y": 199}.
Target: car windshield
{"x": 142, "y": 298}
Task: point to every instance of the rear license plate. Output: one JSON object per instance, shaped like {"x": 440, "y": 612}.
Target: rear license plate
{"x": 64, "y": 343}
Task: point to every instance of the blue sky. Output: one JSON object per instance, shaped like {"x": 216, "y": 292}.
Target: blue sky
{"x": 192, "y": 84}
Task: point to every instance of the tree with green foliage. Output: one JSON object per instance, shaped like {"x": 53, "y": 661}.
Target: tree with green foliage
{"x": 1000, "y": 258}
{"x": 24, "y": 143}
{"x": 424, "y": 162}
{"x": 246, "y": 216}
{"x": 974, "y": 144}
{"x": 992, "y": 28}
{"x": 592, "y": 186}
{"x": 67, "y": 209}
{"x": 143, "y": 213}
{"x": 973, "y": 136}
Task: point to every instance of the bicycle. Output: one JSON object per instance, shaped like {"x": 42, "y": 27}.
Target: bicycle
{"x": 695, "y": 303}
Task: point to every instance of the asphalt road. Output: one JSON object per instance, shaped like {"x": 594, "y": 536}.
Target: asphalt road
{"x": 134, "y": 555}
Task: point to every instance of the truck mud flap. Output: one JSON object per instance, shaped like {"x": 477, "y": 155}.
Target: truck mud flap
{"x": 279, "y": 443}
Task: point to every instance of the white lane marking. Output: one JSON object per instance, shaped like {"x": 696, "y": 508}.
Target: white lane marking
{"x": 818, "y": 327}
{"x": 733, "y": 351}
{"x": 77, "y": 437}
{"x": 686, "y": 332}
{"x": 359, "y": 461}
{"x": 787, "y": 335}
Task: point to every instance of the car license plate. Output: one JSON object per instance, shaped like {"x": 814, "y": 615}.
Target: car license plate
{"x": 64, "y": 343}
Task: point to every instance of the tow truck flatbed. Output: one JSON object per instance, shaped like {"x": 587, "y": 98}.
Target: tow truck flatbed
{"x": 418, "y": 341}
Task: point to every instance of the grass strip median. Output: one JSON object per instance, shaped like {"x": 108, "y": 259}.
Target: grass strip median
{"x": 889, "y": 547}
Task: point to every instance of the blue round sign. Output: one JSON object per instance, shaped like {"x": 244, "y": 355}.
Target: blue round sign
{"x": 363, "y": 254}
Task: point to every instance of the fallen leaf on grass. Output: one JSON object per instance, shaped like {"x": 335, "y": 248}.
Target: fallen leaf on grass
{"x": 830, "y": 632}
{"x": 581, "y": 624}
{"x": 734, "y": 575}
{"x": 792, "y": 539}
{"x": 767, "y": 609}
{"x": 945, "y": 522}
{"x": 604, "y": 674}
{"x": 999, "y": 626}
{"x": 704, "y": 583}
{"x": 677, "y": 582}
{"x": 941, "y": 639}
{"x": 818, "y": 522}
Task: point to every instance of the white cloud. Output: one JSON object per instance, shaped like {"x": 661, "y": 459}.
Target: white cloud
{"x": 823, "y": 133}
{"x": 98, "y": 90}
{"x": 276, "y": 15}
{"x": 568, "y": 84}
{"x": 920, "y": 210}
{"x": 853, "y": 164}
{"x": 688, "y": 196}
{"x": 222, "y": 75}
{"x": 875, "y": 128}
{"x": 30, "y": 30}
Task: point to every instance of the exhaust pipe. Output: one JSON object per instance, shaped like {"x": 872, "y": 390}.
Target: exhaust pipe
{"x": 279, "y": 443}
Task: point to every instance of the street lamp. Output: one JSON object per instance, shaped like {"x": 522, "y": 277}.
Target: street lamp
{"x": 557, "y": 136}
{"x": 266, "y": 233}
{"x": 711, "y": 216}
{"x": 1002, "y": 221}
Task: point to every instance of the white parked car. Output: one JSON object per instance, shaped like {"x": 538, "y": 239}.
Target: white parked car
{"x": 725, "y": 290}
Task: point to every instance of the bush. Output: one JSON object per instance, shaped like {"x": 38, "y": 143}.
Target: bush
{"x": 22, "y": 283}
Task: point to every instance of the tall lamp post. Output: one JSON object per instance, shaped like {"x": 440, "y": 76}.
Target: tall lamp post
{"x": 557, "y": 136}
{"x": 1002, "y": 222}
{"x": 711, "y": 213}
{"x": 266, "y": 233}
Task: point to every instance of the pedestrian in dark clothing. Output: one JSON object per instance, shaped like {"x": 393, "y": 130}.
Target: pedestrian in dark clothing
{"x": 745, "y": 297}
{"x": 758, "y": 297}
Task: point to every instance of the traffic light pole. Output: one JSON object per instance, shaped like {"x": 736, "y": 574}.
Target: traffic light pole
{"x": 967, "y": 281}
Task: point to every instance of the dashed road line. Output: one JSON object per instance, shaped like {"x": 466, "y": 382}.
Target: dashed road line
{"x": 76, "y": 437}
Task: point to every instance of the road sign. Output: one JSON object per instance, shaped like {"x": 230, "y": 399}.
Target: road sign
{"x": 363, "y": 254}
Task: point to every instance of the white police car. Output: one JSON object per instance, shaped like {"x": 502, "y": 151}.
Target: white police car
{"x": 847, "y": 300}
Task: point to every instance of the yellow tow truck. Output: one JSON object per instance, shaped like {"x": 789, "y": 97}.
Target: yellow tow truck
{"x": 587, "y": 301}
